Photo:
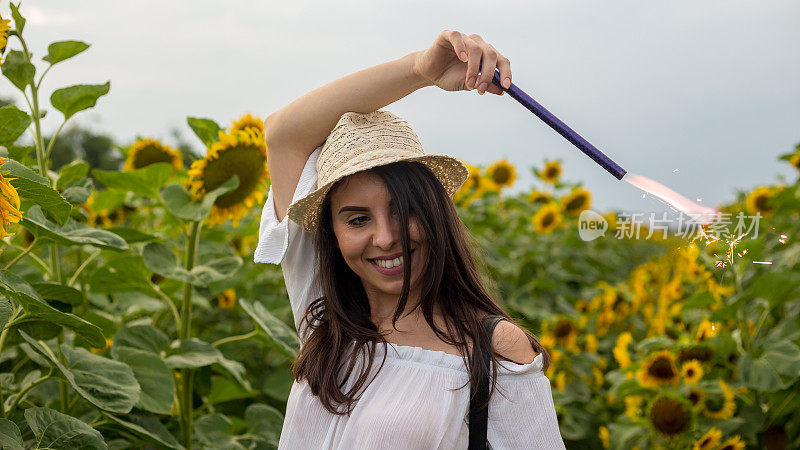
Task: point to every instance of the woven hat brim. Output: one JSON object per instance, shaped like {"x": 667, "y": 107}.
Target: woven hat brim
{"x": 450, "y": 171}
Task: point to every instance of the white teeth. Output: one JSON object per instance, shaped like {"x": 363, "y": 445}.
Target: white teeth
{"x": 389, "y": 263}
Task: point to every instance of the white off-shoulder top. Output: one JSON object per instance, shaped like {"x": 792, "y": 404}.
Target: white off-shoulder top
{"x": 412, "y": 403}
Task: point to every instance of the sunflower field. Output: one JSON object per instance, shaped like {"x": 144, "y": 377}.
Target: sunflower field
{"x": 132, "y": 314}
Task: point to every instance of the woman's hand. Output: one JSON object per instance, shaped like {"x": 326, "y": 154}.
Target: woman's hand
{"x": 452, "y": 63}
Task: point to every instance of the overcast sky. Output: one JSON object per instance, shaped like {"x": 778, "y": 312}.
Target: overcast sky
{"x": 706, "y": 87}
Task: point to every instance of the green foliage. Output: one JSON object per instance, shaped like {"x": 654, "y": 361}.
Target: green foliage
{"x": 205, "y": 129}
{"x": 115, "y": 303}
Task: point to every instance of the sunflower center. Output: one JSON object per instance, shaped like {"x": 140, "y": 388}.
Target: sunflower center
{"x": 762, "y": 203}
{"x": 576, "y": 203}
{"x": 669, "y": 416}
{"x": 562, "y": 329}
{"x": 245, "y": 161}
{"x": 694, "y": 397}
{"x": 150, "y": 155}
{"x": 662, "y": 369}
{"x": 548, "y": 219}
{"x": 501, "y": 175}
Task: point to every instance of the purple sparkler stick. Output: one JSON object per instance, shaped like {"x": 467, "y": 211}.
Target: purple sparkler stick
{"x": 569, "y": 134}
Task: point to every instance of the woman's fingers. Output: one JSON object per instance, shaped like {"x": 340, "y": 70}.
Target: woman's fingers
{"x": 487, "y": 68}
{"x": 474, "y": 53}
{"x": 457, "y": 41}
{"x": 504, "y": 67}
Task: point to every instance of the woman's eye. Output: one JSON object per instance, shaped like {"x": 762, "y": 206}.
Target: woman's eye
{"x": 355, "y": 221}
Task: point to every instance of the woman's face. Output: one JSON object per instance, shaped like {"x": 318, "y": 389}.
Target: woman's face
{"x": 366, "y": 226}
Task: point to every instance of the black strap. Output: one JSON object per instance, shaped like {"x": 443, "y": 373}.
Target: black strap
{"x": 479, "y": 417}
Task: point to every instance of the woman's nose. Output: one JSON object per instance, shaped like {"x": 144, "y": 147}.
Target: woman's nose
{"x": 386, "y": 233}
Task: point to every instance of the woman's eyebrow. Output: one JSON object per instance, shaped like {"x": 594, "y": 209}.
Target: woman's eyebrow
{"x": 357, "y": 208}
{"x": 352, "y": 208}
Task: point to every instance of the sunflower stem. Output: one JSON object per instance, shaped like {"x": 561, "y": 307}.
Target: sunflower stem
{"x": 229, "y": 339}
{"x": 18, "y": 257}
{"x": 185, "y": 332}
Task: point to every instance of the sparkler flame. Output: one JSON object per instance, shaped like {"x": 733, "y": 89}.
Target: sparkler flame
{"x": 672, "y": 199}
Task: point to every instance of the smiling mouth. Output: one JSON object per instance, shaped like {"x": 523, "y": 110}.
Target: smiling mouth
{"x": 376, "y": 262}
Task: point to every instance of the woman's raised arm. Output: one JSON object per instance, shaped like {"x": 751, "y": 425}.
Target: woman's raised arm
{"x": 294, "y": 131}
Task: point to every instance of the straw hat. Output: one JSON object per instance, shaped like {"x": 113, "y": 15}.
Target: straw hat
{"x": 361, "y": 141}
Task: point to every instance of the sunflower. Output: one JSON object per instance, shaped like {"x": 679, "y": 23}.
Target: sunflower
{"x": 576, "y": 201}
{"x": 723, "y": 408}
{"x": 670, "y": 415}
{"x": 699, "y": 352}
{"x": 620, "y": 350}
{"x": 717, "y": 290}
{"x": 247, "y": 121}
{"x": 706, "y": 330}
{"x": 599, "y": 378}
{"x": 697, "y": 398}
{"x": 708, "y": 440}
{"x": 536, "y": 197}
{"x": 9, "y": 203}
{"x": 734, "y": 443}
{"x": 758, "y": 201}
{"x": 547, "y": 218}
{"x": 244, "y": 154}
{"x": 591, "y": 343}
{"x": 605, "y": 437}
{"x": 659, "y": 370}
{"x": 502, "y": 173}
{"x": 227, "y": 299}
{"x": 551, "y": 172}
{"x": 559, "y": 382}
{"x": 150, "y": 151}
{"x": 566, "y": 333}
{"x": 4, "y": 27}
{"x": 632, "y": 404}
{"x": 692, "y": 372}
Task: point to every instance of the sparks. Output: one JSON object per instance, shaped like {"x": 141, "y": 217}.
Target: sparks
{"x": 762, "y": 262}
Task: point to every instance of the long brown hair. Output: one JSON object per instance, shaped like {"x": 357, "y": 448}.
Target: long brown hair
{"x": 339, "y": 321}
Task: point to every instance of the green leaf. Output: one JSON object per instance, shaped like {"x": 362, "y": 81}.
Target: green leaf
{"x": 777, "y": 368}
{"x": 10, "y": 437}
{"x": 61, "y": 50}
{"x": 72, "y": 233}
{"x": 265, "y": 422}
{"x": 71, "y": 173}
{"x": 73, "y": 99}
{"x": 215, "y": 430}
{"x": 149, "y": 427}
{"x": 154, "y": 377}
{"x": 224, "y": 390}
{"x": 110, "y": 385}
{"x": 13, "y": 122}
{"x": 56, "y": 292}
{"x": 77, "y": 195}
{"x": 19, "y": 21}
{"x": 37, "y": 309}
{"x": 60, "y": 431}
{"x": 216, "y": 270}
{"x": 192, "y": 353}
{"x": 31, "y": 186}
{"x": 144, "y": 182}
{"x": 141, "y": 337}
{"x": 6, "y": 309}
{"x": 775, "y": 287}
{"x": 206, "y": 129}
{"x": 179, "y": 201}
{"x": 122, "y": 273}
{"x": 132, "y": 235}
{"x": 18, "y": 70}
{"x": 285, "y": 337}
{"x": 160, "y": 259}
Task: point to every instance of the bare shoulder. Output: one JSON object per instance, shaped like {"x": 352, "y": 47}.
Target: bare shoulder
{"x": 510, "y": 341}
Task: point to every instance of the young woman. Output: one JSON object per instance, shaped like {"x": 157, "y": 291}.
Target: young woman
{"x": 386, "y": 291}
